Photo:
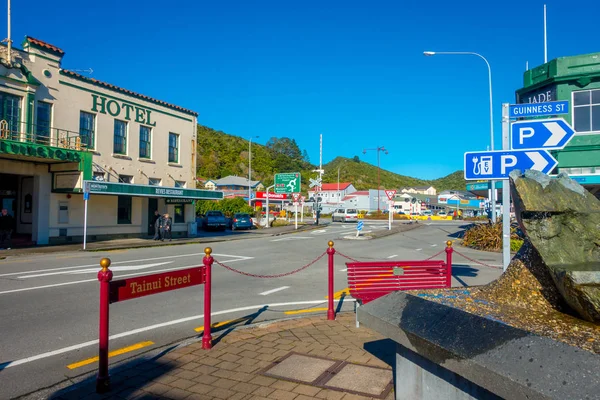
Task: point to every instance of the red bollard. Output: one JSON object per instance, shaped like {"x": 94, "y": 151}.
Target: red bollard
{"x": 330, "y": 310}
{"x": 449, "y": 251}
{"x": 206, "y": 336}
{"x": 104, "y": 276}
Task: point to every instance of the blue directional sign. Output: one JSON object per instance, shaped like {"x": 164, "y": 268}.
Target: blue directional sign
{"x": 359, "y": 226}
{"x": 553, "y": 133}
{"x": 537, "y": 109}
{"x": 498, "y": 164}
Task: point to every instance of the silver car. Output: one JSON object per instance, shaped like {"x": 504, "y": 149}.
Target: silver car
{"x": 345, "y": 215}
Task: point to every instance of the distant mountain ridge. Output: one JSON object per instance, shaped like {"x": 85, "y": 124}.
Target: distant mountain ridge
{"x": 220, "y": 154}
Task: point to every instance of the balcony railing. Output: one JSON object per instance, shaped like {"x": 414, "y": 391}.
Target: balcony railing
{"x": 54, "y": 137}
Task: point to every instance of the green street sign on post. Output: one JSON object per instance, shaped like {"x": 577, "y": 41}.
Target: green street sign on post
{"x": 287, "y": 183}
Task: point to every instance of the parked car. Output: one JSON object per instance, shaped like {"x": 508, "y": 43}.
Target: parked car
{"x": 345, "y": 215}
{"x": 442, "y": 214}
{"x": 214, "y": 220}
{"x": 241, "y": 221}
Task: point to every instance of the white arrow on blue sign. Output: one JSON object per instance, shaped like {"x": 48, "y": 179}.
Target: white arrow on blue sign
{"x": 553, "y": 133}
{"x": 498, "y": 164}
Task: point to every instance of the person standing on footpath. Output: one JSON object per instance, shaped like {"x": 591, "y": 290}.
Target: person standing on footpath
{"x": 6, "y": 228}
{"x": 156, "y": 225}
{"x": 167, "y": 224}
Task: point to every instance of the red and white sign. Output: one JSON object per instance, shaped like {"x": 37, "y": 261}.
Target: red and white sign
{"x": 302, "y": 198}
{"x": 273, "y": 196}
{"x": 296, "y": 197}
{"x": 390, "y": 194}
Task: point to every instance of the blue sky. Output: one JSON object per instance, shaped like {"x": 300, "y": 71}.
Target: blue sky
{"x": 351, "y": 70}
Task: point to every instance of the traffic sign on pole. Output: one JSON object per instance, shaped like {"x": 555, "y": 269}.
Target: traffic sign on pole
{"x": 295, "y": 197}
{"x": 553, "y": 133}
{"x": 314, "y": 182}
{"x": 390, "y": 194}
{"x": 538, "y": 109}
{"x": 287, "y": 183}
{"x": 498, "y": 164}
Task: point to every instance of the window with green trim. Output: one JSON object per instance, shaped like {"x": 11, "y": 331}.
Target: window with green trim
{"x": 87, "y": 127}
{"x": 10, "y": 111}
{"x": 120, "y": 138}
{"x": 145, "y": 142}
{"x": 586, "y": 111}
{"x": 43, "y": 120}
{"x": 179, "y": 213}
{"x": 173, "y": 148}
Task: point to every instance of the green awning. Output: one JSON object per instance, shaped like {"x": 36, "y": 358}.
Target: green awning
{"x": 124, "y": 189}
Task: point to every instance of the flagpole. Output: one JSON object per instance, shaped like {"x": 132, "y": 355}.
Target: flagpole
{"x": 545, "y": 38}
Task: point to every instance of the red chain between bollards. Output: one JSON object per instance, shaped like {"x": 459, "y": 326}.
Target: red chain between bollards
{"x": 206, "y": 336}
{"x": 104, "y": 276}
{"x": 330, "y": 309}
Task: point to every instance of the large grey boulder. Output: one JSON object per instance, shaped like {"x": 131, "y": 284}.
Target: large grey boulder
{"x": 562, "y": 221}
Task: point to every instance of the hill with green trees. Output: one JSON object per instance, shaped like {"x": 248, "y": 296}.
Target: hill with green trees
{"x": 220, "y": 154}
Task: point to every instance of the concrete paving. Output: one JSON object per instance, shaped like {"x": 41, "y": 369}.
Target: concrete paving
{"x": 49, "y": 302}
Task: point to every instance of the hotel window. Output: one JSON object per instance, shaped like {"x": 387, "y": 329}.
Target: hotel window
{"x": 145, "y": 133}
{"x": 179, "y": 184}
{"x": 179, "y": 214}
{"x": 124, "y": 210}
{"x": 10, "y": 111}
{"x": 125, "y": 179}
{"x": 120, "y": 139}
{"x": 586, "y": 111}
{"x": 154, "y": 181}
{"x": 173, "y": 148}
{"x": 87, "y": 124}
{"x": 42, "y": 126}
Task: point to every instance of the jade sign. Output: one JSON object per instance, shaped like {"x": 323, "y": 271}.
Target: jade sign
{"x": 150, "y": 191}
{"x": 287, "y": 183}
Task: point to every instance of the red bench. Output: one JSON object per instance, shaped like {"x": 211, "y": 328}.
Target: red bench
{"x": 368, "y": 281}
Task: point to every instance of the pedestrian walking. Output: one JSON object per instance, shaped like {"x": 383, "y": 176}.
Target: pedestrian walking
{"x": 156, "y": 225}
{"x": 167, "y": 224}
{"x": 6, "y": 228}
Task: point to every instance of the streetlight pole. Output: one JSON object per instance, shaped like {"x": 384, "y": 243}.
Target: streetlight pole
{"x": 470, "y": 53}
{"x": 250, "y": 170}
{"x": 378, "y": 149}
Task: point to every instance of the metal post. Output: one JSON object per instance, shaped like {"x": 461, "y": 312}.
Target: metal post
{"x": 267, "y": 213}
{"x": 505, "y": 191}
{"x": 249, "y": 170}
{"x": 85, "y": 213}
{"x": 390, "y": 215}
{"x": 378, "y": 183}
{"x": 449, "y": 251}
{"x": 330, "y": 309}
{"x": 296, "y": 215}
{"x": 104, "y": 276}
{"x": 206, "y": 336}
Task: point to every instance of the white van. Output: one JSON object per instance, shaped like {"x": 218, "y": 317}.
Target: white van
{"x": 345, "y": 215}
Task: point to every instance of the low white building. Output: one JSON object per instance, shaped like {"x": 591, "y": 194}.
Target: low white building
{"x": 59, "y": 128}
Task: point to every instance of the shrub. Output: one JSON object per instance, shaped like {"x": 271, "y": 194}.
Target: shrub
{"x": 515, "y": 244}
{"x": 228, "y": 206}
{"x": 486, "y": 236}
{"x": 280, "y": 222}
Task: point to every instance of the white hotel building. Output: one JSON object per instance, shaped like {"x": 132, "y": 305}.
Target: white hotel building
{"x": 59, "y": 128}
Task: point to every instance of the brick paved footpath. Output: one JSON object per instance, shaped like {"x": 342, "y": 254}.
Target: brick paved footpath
{"x": 230, "y": 370}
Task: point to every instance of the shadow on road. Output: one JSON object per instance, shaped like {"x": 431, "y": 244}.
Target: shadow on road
{"x": 225, "y": 329}
{"x": 464, "y": 271}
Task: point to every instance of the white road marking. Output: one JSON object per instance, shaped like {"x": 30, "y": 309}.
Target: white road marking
{"x": 116, "y": 277}
{"x": 393, "y": 255}
{"x": 344, "y": 270}
{"x": 113, "y": 263}
{"x": 433, "y": 245}
{"x": 95, "y": 270}
{"x": 274, "y": 290}
{"x": 418, "y": 249}
{"x": 291, "y": 238}
{"x": 318, "y": 231}
{"x": 14, "y": 363}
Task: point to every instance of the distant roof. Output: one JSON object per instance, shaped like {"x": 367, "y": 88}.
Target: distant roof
{"x": 354, "y": 194}
{"x": 334, "y": 186}
{"x": 44, "y": 45}
{"x": 416, "y": 187}
{"x": 234, "y": 180}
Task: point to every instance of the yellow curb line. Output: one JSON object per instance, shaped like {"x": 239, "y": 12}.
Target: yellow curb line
{"x": 118, "y": 352}
{"x": 308, "y": 310}
{"x": 219, "y": 324}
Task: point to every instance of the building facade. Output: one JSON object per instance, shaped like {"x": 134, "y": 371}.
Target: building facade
{"x": 576, "y": 79}
{"x": 59, "y": 129}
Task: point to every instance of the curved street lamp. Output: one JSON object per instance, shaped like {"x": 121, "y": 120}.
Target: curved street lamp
{"x": 470, "y": 53}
